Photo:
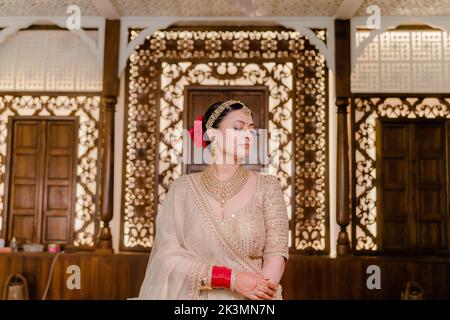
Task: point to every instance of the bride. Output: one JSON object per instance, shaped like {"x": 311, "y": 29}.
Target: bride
{"x": 221, "y": 233}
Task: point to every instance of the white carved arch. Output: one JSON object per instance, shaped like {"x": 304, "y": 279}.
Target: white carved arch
{"x": 152, "y": 24}
{"x": 13, "y": 25}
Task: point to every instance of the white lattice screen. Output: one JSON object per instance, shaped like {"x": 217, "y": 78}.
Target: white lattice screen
{"x": 48, "y": 60}
{"x": 403, "y": 61}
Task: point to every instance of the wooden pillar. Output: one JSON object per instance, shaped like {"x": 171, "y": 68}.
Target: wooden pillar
{"x": 343, "y": 70}
{"x": 108, "y": 105}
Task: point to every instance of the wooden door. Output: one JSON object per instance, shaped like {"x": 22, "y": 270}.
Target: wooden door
{"x": 27, "y": 166}
{"x": 41, "y": 195}
{"x": 394, "y": 187}
{"x": 429, "y": 181}
{"x": 412, "y": 185}
{"x": 199, "y": 98}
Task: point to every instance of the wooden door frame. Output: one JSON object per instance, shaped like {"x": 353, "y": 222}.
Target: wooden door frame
{"x": 8, "y": 167}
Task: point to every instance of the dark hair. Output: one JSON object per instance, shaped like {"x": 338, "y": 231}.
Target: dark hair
{"x": 223, "y": 114}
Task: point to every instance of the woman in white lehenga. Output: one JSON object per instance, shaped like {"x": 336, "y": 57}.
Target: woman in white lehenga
{"x": 221, "y": 233}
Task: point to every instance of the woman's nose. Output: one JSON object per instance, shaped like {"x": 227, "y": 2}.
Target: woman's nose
{"x": 248, "y": 135}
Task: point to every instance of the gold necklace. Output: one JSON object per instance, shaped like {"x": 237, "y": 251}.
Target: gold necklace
{"x": 220, "y": 190}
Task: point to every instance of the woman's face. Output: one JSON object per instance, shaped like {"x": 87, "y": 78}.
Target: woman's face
{"x": 234, "y": 136}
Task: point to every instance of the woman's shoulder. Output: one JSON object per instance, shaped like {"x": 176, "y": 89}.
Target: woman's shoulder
{"x": 268, "y": 179}
{"x": 269, "y": 182}
{"x": 182, "y": 180}
{"x": 188, "y": 176}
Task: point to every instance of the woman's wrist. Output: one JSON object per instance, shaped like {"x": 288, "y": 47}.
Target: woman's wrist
{"x": 233, "y": 281}
{"x": 221, "y": 277}
{"x": 205, "y": 283}
{"x": 208, "y": 276}
{"x": 218, "y": 277}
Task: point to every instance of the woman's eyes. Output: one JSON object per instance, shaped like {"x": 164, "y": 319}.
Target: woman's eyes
{"x": 252, "y": 131}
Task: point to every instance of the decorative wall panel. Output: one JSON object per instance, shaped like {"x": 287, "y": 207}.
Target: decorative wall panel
{"x": 87, "y": 109}
{"x": 48, "y": 60}
{"x": 403, "y": 61}
{"x": 283, "y": 60}
{"x": 365, "y": 112}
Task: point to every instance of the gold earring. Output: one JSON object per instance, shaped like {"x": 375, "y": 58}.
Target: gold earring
{"x": 213, "y": 148}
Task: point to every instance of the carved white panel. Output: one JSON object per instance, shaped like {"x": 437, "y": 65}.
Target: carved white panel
{"x": 48, "y": 60}
{"x": 403, "y": 61}
{"x": 408, "y": 7}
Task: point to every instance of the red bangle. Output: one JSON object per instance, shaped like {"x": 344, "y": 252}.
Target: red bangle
{"x": 220, "y": 277}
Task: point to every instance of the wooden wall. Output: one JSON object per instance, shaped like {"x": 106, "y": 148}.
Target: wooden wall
{"x": 345, "y": 277}
{"x": 119, "y": 276}
{"x": 103, "y": 276}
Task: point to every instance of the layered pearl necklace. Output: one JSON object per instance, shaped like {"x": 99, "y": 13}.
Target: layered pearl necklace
{"x": 224, "y": 190}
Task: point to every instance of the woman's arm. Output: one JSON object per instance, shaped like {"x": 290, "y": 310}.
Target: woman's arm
{"x": 276, "y": 250}
{"x": 273, "y": 268}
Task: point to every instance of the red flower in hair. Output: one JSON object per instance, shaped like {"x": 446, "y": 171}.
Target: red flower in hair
{"x": 196, "y": 132}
